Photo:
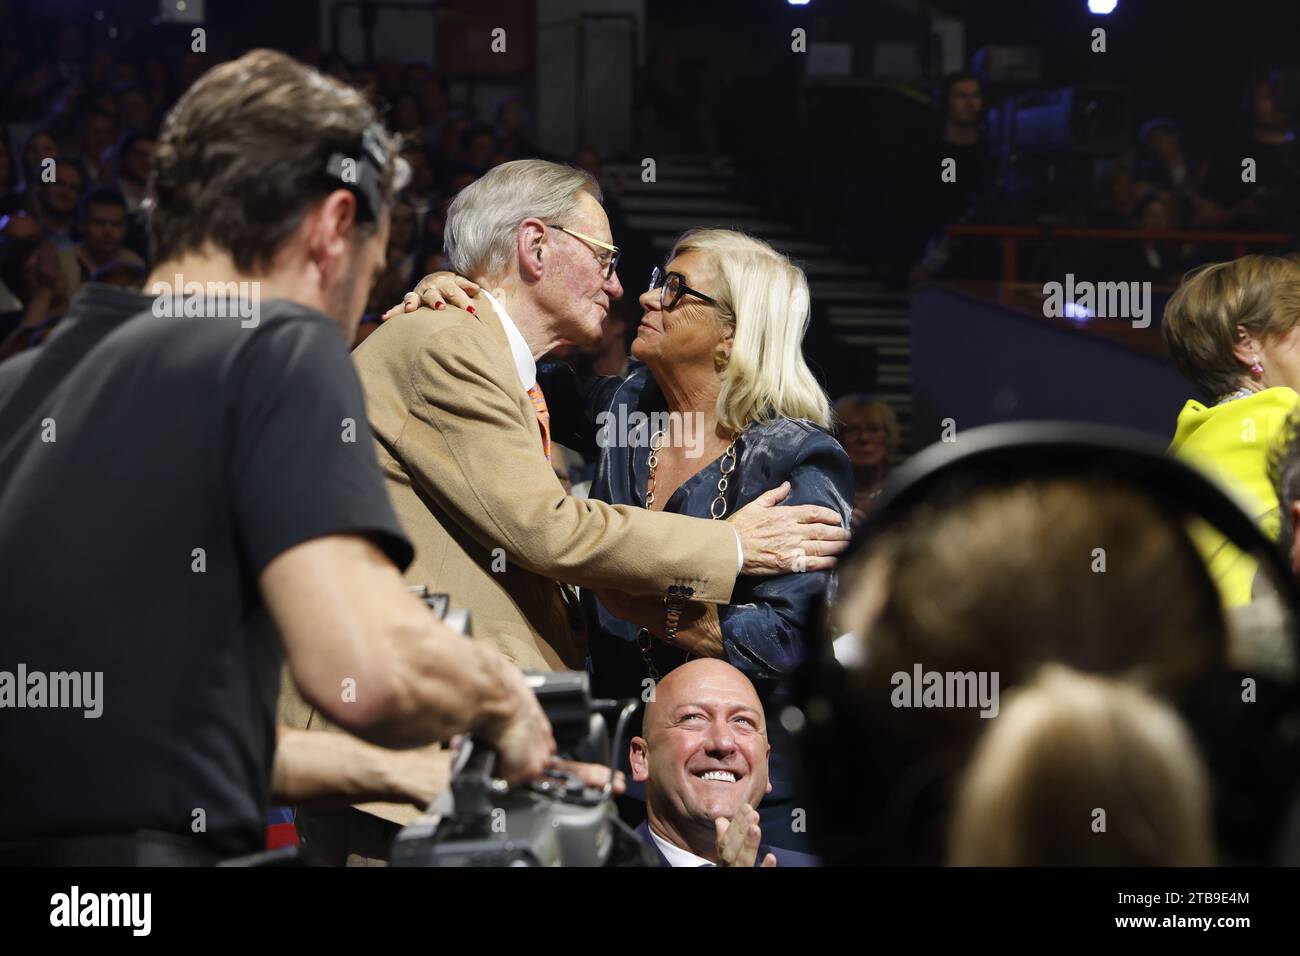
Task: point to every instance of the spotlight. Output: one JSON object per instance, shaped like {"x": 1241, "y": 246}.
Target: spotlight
{"x": 1102, "y": 7}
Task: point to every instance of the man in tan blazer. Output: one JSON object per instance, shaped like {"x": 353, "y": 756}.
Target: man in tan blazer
{"x": 464, "y": 449}
{"x": 461, "y": 436}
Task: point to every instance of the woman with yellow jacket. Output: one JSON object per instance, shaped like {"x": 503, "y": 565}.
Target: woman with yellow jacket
{"x": 1233, "y": 328}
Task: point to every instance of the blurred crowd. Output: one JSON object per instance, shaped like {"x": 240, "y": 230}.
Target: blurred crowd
{"x": 1158, "y": 182}
{"x": 78, "y": 130}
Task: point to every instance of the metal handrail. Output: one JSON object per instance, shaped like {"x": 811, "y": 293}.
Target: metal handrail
{"x": 1011, "y": 237}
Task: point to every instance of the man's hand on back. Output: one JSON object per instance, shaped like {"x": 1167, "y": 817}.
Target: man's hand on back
{"x": 778, "y": 540}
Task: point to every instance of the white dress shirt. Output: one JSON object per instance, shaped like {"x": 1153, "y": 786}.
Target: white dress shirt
{"x": 525, "y": 364}
{"x": 675, "y": 855}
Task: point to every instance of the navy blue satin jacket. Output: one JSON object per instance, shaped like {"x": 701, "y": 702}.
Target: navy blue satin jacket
{"x": 764, "y": 626}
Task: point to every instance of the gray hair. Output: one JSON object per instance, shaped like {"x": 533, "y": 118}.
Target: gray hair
{"x": 479, "y": 237}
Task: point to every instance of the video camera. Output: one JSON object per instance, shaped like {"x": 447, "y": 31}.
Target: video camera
{"x": 558, "y": 821}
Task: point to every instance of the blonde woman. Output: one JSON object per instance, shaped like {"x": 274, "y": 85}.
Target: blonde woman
{"x": 721, "y": 339}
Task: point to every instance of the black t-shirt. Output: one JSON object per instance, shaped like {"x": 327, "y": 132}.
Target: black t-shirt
{"x": 1276, "y": 168}
{"x": 150, "y": 469}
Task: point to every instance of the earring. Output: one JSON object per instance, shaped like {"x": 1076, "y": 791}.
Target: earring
{"x": 720, "y": 360}
{"x": 1257, "y": 370}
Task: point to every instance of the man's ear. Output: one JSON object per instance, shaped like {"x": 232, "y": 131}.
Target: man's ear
{"x": 769, "y": 779}
{"x": 639, "y": 757}
{"x": 331, "y": 229}
{"x": 530, "y": 240}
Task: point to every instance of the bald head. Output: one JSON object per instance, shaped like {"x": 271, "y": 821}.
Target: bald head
{"x": 703, "y": 750}
{"x": 702, "y": 675}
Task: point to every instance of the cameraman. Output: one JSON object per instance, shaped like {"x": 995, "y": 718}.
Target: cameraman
{"x": 175, "y": 482}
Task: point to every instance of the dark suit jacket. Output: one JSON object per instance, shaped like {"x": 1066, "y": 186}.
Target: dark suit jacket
{"x": 783, "y": 857}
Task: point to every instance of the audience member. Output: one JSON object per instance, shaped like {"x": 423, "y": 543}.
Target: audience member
{"x": 1166, "y": 165}
{"x": 39, "y": 146}
{"x": 1232, "y": 329}
{"x": 134, "y": 156}
{"x": 479, "y": 145}
{"x": 1115, "y": 196}
{"x": 1003, "y": 581}
{"x": 1065, "y": 745}
{"x": 402, "y": 236}
{"x": 1267, "y": 202}
{"x": 102, "y": 222}
{"x": 451, "y": 144}
{"x": 55, "y": 198}
{"x": 961, "y": 104}
{"x": 702, "y": 757}
{"x": 32, "y": 271}
{"x": 512, "y": 129}
{"x": 95, "y": 138}
{"x": 868, "y": 430}
{"x": 419, "y": 192}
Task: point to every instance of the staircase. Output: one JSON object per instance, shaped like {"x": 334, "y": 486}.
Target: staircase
{"x": 854, "y": 322}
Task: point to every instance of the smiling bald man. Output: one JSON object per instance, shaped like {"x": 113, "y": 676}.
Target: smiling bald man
{"x": 702, "y": 756}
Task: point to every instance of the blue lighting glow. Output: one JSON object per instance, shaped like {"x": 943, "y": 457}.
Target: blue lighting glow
{"x": 1074, "y": 310}
{"x": 1103, "y": 7}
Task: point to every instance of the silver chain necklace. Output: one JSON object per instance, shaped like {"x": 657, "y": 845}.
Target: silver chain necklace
{"x": 1232, "y": 396}
{"x": 717, "y": 509}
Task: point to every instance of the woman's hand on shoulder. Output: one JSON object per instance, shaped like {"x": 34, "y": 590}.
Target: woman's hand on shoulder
{"x": 434, "y": 291}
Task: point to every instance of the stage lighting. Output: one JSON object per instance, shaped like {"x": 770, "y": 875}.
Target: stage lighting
{"x": 798, "y": 3}
{"x": 1102, "y": 6}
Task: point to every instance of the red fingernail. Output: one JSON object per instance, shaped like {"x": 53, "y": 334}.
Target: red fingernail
{"x": 441, "y": 305}
{"x": 471, "y": 309}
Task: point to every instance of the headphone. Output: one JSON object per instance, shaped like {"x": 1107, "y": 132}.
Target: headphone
{"x": 877, "y": 799}
{"x": 362, "y": 178}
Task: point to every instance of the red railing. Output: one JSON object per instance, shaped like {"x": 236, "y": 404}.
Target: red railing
{"x": 1011, "y": 237}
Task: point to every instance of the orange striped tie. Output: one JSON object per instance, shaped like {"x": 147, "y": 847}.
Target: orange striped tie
{"x": 543, "y": 417}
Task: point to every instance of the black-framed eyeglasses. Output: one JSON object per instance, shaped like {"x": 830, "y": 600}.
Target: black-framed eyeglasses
{"x": 672, "y": 286}
{"x": 608, "y": 257}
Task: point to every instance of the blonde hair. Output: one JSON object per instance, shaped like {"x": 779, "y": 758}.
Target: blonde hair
{"x": 479, "y": 237}
{"x": 763, "y": 297}
{"x": 1066, "y": 749}
{"x": 1261, "y": 293}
